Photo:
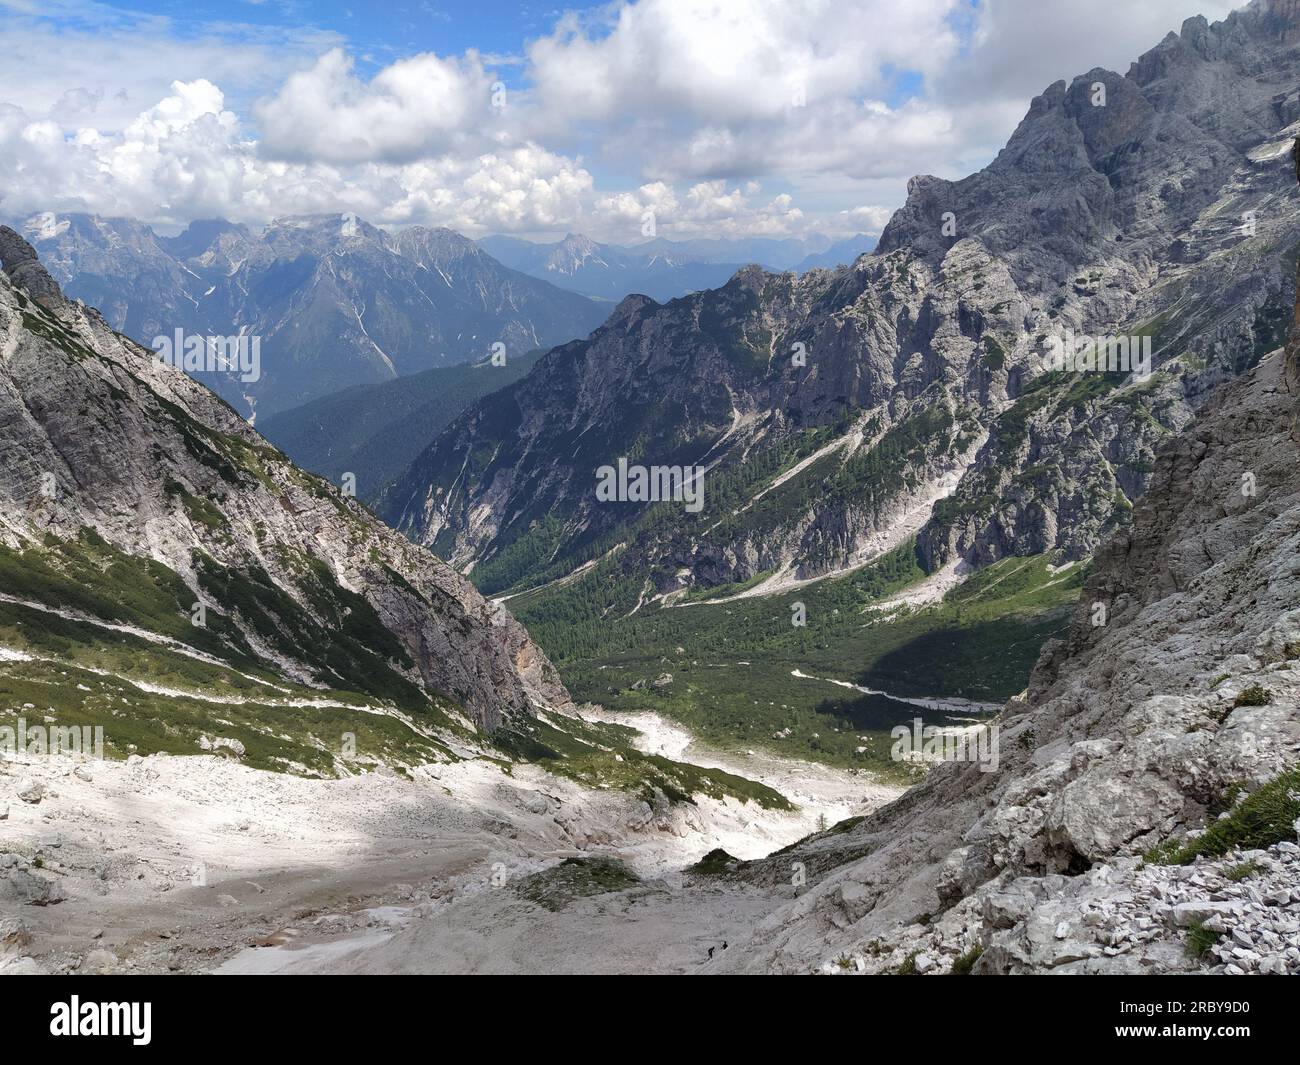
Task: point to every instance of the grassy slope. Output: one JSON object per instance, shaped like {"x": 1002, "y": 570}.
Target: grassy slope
{"x": 732, "y": 662}
{"x": 152, "y": 695}
{"x": 164, "y": 693}
{"x": 165, "y": 686}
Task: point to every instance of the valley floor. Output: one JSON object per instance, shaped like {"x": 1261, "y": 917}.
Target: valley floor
{"x": 198, "y": 864}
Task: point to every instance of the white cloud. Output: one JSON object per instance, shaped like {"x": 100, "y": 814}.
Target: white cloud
{"x": 709, "y": 208}
{"x": 1020, "y": 47}
{"x": 686, "y": 108}
{"x": 188, "y": 157}
{"x": 414, "y": 109}
{"x": 869, "y": 219}
{"x": 725, "y": 63}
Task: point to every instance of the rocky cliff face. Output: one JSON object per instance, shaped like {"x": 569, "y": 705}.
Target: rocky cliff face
{"x": 1155, "y": 205}
{"x": 1164, "y": 725}
{"x": 334, "y": 301}
{"x": 118, "y": 464}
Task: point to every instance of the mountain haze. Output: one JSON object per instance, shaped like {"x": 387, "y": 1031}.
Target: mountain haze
{"x": 375, "y": 431}
{"x": 609, "y": 272}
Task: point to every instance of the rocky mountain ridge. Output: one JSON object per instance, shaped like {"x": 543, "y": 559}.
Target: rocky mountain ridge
{"x": 1145, "y": 814}
{"x": 210, "y": 543}
{"x": 1118, "y": 207}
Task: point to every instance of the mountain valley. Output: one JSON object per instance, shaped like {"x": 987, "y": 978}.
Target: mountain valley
{"x": 935, "y": 644}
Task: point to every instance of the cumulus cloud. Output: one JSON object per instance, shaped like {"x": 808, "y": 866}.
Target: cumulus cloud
{"x": 189, "y": 157}
{"x": 1019, "y": 47}
{"x": 728, "y": 88}
{"x": 868, "y": 219}
{"x": 708, "y": 208}
{"x": 683, "y": 109}
{"x": 416, "y": 108}
{"x": 726, "y": 63}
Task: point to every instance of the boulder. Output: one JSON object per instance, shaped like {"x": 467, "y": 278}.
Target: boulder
{"x": 30, "y": 791}
{"x": 24, "y": 888}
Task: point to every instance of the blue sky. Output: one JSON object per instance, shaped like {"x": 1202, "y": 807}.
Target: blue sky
{"x": 384, "y": 29}
{"x": 715, "y": 117}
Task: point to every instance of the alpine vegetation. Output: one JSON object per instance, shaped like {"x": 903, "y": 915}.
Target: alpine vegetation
{"x": 744, "y": 487}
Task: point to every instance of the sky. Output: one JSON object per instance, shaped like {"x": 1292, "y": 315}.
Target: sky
{"x": 681, "y": 118}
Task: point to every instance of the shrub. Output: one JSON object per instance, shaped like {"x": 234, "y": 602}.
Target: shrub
{"x": 1264, "y": 817}
{"x": 966, "y": 962}
{"x": 1199, "y": 940}
{"x": 1253, "y": 696}
{"x": 1242, "y": 870}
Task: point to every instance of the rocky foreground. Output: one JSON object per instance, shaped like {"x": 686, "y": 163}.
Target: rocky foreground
{"x": 1174, "y": 721}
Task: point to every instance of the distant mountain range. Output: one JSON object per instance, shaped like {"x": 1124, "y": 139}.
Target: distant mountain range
{"x": 775, "y": 253}
{"x": 332, "y": 300}
{"x": 664, "y": 269}
{"x": 328, "y": 302}
{"x": 841, "y": 253}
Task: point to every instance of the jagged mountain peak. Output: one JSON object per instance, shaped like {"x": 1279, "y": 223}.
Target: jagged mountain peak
{"x": 751, "y": 276}
{"x": 437, "y": 244}
{"x": 1166, "y": 735}
{"x": 576, "y": 251}
{"x": 1114, "y": 201}
{"x": 322, "y": 232}
{"x": 333, "y": 300}
{"x": 89, "y": 230}
{"x": 629, "y": 307}
{"x": 201, "y": 235}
